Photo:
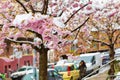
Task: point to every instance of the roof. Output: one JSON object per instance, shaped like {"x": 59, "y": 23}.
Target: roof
{"x": 90, "y": 54}
{"x": 65, "y": 64}
{"x": 6, "y": 59}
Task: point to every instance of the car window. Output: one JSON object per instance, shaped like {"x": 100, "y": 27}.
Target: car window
{"x": 55, "y": 73}
{"x": 61, "y": 68}
{"x": 22, "y": 69}
{"x": 29, "y": 68}
{"x": 50, "y": 73}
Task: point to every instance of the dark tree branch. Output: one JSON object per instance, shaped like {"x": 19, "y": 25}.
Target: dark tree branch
{"x": 60, "y": 14}
{"x": 10, "y": 26}
{"x": 75, "y": 13}
{"x": 22, "y": 41}
{"x": 1, "y": 24}
{"x": 80, "y": 25}
{"x": 47, "y": 1}
{"x": 25, "y": 39}
{"x": 77, "y": 27}
{"x": 99, "y": 41}
{"x": 37, "y": 34}
{"x": 31, "y": 7}
{"x": 113, "y": 31}
{"x": 77, "y": 33}
{"x": 18, "y": 41}
{"x": 22, "y": 6}
{"x": 45, "y": 7}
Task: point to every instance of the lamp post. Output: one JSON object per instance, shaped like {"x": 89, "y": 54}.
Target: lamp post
{"x": 37, "y": 41}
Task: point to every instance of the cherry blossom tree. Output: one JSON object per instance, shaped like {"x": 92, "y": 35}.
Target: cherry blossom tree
{"x": 106, "y": 21}
{"x": 44, "y": 25}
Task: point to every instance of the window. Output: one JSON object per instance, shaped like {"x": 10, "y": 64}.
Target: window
{"x": 55, "y": 73}
{"x": 72, "y": 67}
{"x": 5, "y": 69}
{"x": 61, "y": 68}
{"x": 24, "y": 62}
{"x": 9, "y": 66}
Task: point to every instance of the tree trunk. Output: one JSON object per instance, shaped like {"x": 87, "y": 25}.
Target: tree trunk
{"x": 112, "y": 69}
{"x": 43, "y": 63}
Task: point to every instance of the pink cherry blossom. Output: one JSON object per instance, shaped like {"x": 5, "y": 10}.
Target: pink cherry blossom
{"x": 75, "y": 5}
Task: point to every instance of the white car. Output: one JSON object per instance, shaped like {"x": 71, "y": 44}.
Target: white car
{"x": 21, "y": 72}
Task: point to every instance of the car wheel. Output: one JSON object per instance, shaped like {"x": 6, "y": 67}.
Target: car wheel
{"x": 97, "y": 70}
{"x": 71, "y": 78}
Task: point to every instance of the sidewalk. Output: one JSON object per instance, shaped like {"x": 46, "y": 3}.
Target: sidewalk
{"x": 100, "y": 76}
{"x": 8, "y": 79}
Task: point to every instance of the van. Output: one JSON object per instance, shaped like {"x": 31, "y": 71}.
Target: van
{"x": 93, "y": 61}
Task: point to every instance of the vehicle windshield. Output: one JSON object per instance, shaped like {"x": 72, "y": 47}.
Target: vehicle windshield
{"x": 61, "y": 68}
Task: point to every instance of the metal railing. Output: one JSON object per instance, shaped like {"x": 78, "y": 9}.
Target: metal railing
{"x": 85, "y": 78}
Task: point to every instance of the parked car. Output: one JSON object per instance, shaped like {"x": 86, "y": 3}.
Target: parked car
{"x": 68, "y": 70}
{"x": 51, "y": 65}
{"x": 93, "y": 61}
{"x": 52, "y": 75}
{"x": 21, "y": 72}
{"x": 105, "y": 57}
{"x": 2, "y": 76}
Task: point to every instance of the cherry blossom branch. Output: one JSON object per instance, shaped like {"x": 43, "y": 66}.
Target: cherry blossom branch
{"x": 31, "y": 7}
{"x": 77, "y": 27}
{"x": 80, "y": 25}
{"x": 22, "y": 6}
{"x": 15, "y": 41}
{"x": 25, "y": 39}
{"x": 77, "y": 33}
{"x": 75, "y": 13}
{"x": 37, "y": 34}
{"x": 22, "y": 42}
{"x": 10, "y": 26}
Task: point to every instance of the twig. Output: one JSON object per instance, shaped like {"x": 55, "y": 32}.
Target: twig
{"x": 75, "y": 13}
{"x": 22, "y": 6}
